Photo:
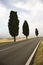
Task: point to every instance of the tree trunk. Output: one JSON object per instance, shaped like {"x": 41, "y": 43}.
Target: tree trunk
{"x": 14, "y": 39}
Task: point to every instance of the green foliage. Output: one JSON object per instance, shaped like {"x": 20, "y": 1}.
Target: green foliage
{"x": 13, "y": 24}
{"x": 25, "y": 28}
{"x": 36, "y": 32}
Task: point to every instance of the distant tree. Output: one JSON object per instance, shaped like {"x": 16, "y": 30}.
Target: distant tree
{"x": 13, "y": 24}
{"x": 25, "y": 29}
{"x": 36, "y": 32}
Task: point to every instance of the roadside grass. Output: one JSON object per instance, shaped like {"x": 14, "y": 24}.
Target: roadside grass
{"x": 11, "y": 40}
{"x": 38, "y": 60}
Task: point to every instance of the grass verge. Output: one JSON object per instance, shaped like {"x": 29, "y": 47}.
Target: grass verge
{"x": 6, "y": 40}
{"x": 38, "y": 60}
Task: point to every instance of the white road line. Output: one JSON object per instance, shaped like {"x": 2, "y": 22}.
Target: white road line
{"x": 31, "y": 57}
{"x": 7, "y": 48}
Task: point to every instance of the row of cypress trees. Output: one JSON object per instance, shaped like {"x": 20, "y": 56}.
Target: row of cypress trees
{"x": 13, "y": 26}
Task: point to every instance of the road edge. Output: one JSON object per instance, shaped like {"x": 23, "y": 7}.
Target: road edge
{"x": 32, "y": 55}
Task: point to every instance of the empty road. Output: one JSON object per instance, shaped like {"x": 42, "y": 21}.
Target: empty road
{"x": 17, "y": 53}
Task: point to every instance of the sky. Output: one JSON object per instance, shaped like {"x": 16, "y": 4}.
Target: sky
{"x": 30, "y": 10}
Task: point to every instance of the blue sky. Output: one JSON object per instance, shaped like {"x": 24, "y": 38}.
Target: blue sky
{"x": 30, "y": 10}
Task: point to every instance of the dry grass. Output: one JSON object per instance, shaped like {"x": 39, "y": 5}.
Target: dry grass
{"x": 6, "y": 40}
{"x": 39, "y": 55}
{"x": 12, "y": 40}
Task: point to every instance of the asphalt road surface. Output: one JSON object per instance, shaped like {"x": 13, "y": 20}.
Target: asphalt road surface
{"x": 17, "y": 53}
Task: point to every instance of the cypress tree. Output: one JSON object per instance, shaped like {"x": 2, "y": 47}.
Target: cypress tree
{"x": 13, "y": 24}
{"x": 25, "y": 29}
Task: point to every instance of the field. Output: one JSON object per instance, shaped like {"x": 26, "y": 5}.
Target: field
{"x": 12, "y": 40}
{"x": 38, "y": 60}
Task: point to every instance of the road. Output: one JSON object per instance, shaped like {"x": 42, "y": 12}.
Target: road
{"x": 17, "y": 53}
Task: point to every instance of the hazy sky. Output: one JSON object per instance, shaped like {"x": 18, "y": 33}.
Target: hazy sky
{"x": 30, "y": 10}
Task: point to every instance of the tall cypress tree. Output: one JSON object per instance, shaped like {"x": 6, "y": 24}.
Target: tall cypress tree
{"x": 13, "y": 24}
{"x": 36, "y": 32}
{"x": 25, "y": 29}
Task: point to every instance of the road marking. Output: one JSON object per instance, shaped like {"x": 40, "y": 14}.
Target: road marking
{"x": 7, "y": 48}
{"x": 30, "y": 58}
